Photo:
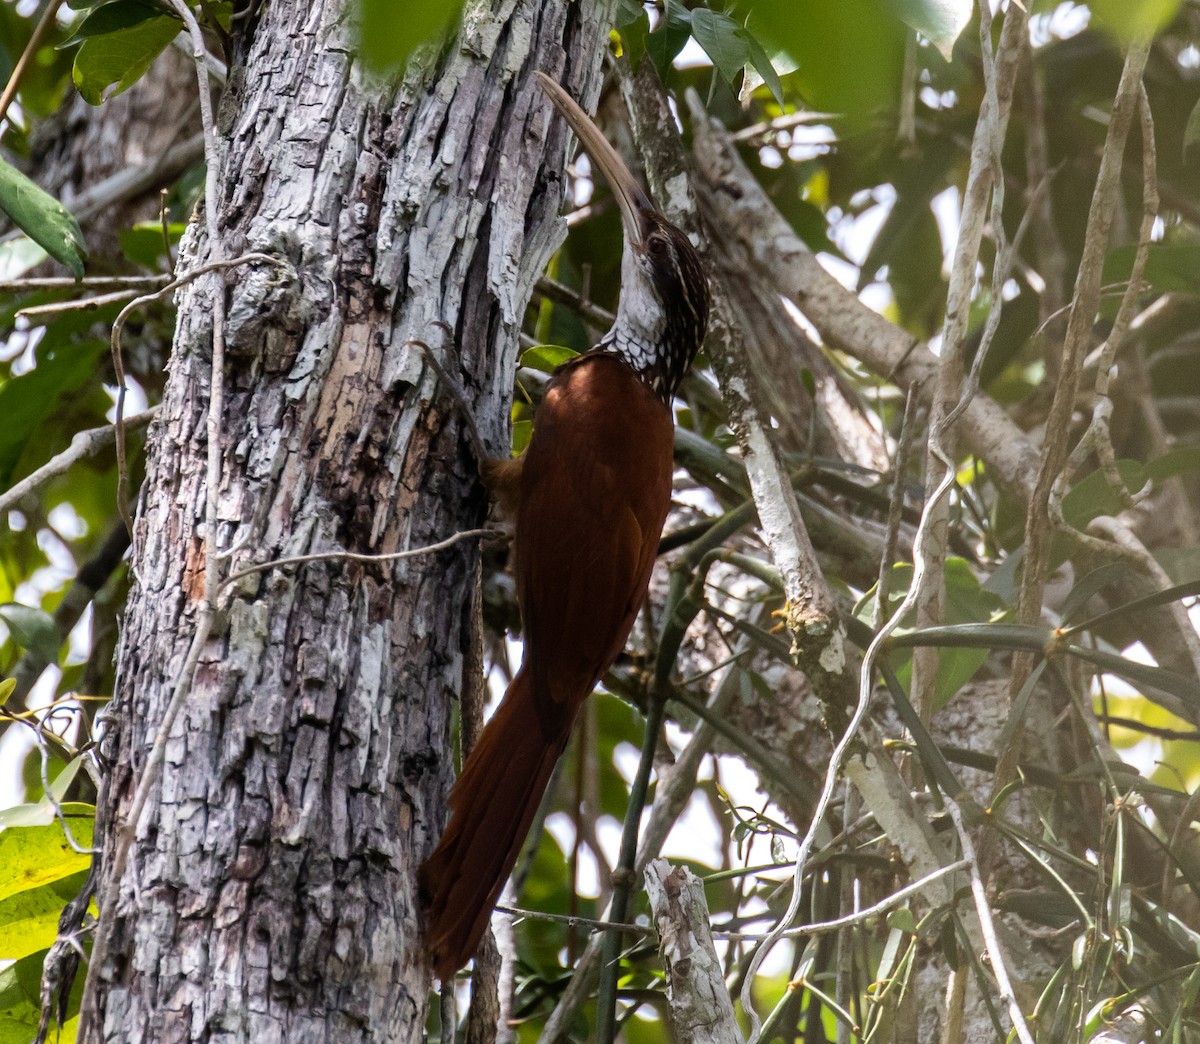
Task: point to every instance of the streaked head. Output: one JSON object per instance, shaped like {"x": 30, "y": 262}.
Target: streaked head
{"x": 663, "y": 310}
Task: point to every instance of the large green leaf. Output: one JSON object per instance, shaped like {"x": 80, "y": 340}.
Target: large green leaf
{"x": 967, "y": 602}
{"x": 29, "y": 919}
{"x": 27, "y": 401}
{"x": 32, "y": 629}
{"x": 849, "y": 55}
{"x": 1092, "y": 496}
{"x": 120, "y": 57}
{"x": 43, "y": 218}
{"x": 115, "y": 16}
{"x": 31, "y": 857}
{"x": 1169, "y": 266}
{"x": 391, "y": 32}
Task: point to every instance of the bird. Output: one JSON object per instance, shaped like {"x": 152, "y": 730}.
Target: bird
{"x": 589, "y": 497}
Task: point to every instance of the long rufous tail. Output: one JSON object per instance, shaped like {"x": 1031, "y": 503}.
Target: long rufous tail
{"x": 492, "y": 806}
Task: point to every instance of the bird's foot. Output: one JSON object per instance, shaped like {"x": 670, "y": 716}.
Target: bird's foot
{"x": 454, "y": 389}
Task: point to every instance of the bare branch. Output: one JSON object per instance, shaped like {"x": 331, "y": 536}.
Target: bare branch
{"x": 701, "y": 1008}
{"x": 84, "y": 444}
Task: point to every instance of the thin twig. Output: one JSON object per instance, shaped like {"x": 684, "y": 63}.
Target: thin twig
{"x": 82, "y": 304}
{"x": 84, "y": 444}
{"x": 987, "y": 926}
{"x": 577, "y": 922}
{"x": 861, "y": 916}
{"x": 354, "y": 556}
{"x": 31, "y": 48}
{"x": 624, "y": 876}
{"x": 118, "y": 326}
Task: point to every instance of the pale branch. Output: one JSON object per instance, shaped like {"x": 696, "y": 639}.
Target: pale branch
{"x": 701, "y": 1008}
{"x": 1086, "y": 299}
{"x": 1097, "y": 438}
{"x": 983, "y": 195}
{"x": 84, "y": 444}
{"x": 768, "y": 246}
{"x": 861, "y": 916}
{"x": 983, "y": 912}
{"x": 575, "y": 921}
{"x": 82, "y": 304}
{"x": 98, "y": 283}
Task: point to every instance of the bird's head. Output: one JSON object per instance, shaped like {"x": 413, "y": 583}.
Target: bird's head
{"x": 663, "y": 310}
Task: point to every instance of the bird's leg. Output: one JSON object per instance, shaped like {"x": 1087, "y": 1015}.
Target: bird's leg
{"x": 456, "y": 392}
{"x": 501, "y": 475}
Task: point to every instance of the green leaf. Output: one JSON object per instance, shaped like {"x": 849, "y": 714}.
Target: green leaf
{"x": 721, "y": 38}
{"x": 522, "y": 433}
{"x": 31, "y": 399}
{"x": 1169, "y": 266}
{"x": 1191, "y": 133}
{"x": 42, "y": 813}
{"x": 115, "y": 16}
{"x": 969, "y": 608}
{"x": 547, "y": 357}
{"x": 668, "y": 38}
{"x": 18, "y": 256}
{"x": 391, "y": 33}
{"x": 32, "y": 629}
{"x": 633, "y": 39}
{"x": 1142, "y": 675}
{"x": 120, "y": 57}
{"x": 43, "y": 218}
{"x": 1130, "y": 20}
{"x": 761, "y": 63}
{"x": 628, "y": 11}
{"x": 939, "y": 21}
{"x": 1178, "y": 461}
{"x": 7, "y": 685}
{"x": 849, "y": 55}
{"x": 1092, "y": 496}
{"x": 1092, "y": 584}
{"x": 34, "y": 856}
{"x": 143, "y": 243}
{"x": 29, "y": 919}
{"x": 902, "y": 920}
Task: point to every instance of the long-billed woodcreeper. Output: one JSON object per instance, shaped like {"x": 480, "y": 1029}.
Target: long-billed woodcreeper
{"x": 590, "y": 494}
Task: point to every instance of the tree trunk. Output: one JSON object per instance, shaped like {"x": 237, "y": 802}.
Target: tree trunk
{"x": 269, "y": 892}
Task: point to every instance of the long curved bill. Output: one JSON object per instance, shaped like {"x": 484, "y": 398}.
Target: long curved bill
{"x": 632, "y": 200}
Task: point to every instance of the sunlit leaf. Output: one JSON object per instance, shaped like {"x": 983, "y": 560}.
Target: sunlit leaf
{"x": 547, "y": 357}
{"x": 43, "y": 218}
{"x": 36, "y": 855}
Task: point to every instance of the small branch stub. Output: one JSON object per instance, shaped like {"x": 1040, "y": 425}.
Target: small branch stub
{"x": 701, "y": 1008}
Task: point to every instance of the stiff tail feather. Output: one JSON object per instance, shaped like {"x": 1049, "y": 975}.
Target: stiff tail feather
{"x": 492, "y": 806}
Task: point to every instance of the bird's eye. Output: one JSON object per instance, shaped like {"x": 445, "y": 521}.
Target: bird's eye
{"x": 657, "y": 246}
